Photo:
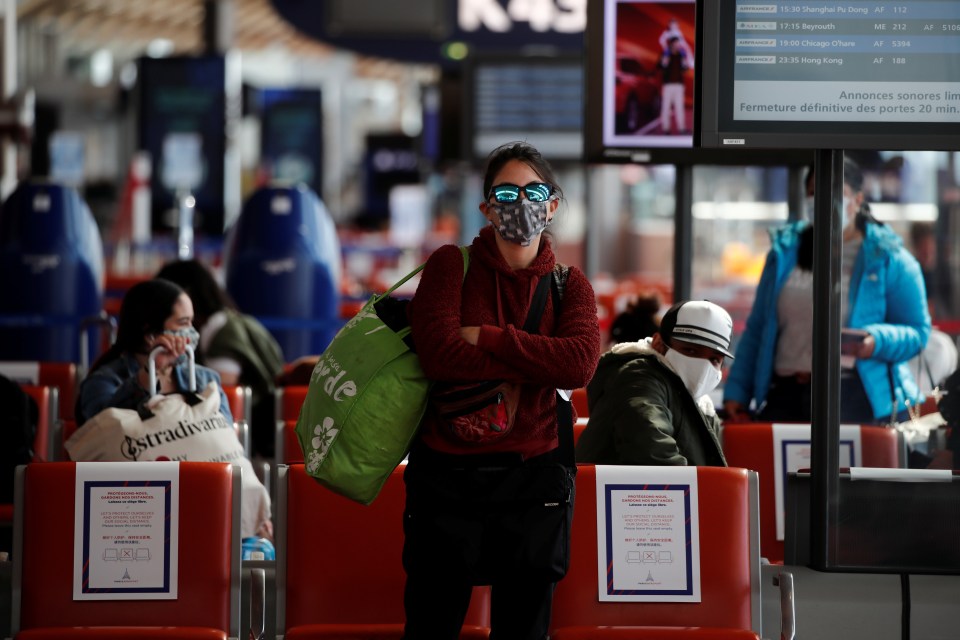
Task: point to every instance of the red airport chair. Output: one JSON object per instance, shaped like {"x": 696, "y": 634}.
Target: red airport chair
{"x": 207, "y": 603}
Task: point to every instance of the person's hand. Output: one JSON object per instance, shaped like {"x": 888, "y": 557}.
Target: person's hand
{"x": 735, "y": 411}
{"x": 470, "y": 334}
{"x": 265, "y": 530}
{"x": 857, "y": 343}
{"x": 865, "y": 348}
{"x": 174, "y": 347}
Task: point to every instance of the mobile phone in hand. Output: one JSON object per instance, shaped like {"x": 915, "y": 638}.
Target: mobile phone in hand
{"x": 850, "y": 340}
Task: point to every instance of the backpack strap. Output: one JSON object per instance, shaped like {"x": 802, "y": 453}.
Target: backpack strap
{"x": 555, "y": 281}
{"x": 558, "y": 283}
{"x": 565, "y": 432}
{"x": 539, "y": 302}
{"x": 560, "y": 274}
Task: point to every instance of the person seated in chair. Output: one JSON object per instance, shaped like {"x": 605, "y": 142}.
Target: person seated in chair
{"x": 158, "y": 313}
{"x": 648, "y": 400}
{"x": 154, "y": 313}
{"x": 234, "y": 344}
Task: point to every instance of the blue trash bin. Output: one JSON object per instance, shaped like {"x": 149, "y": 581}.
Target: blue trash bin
{"x": 282, "y": 261}
{"x": 51, "y": 258}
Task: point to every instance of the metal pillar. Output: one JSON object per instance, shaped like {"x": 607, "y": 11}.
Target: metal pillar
{"x": 683, "y": 234}
{"x": 8, "y": 148}
{"x": 825, "y": 429}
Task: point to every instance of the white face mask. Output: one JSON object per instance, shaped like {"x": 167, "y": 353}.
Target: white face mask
{"x": 845, "y": 212}
{"x": 808, "y": 208}
{"x": 699, "y": 375}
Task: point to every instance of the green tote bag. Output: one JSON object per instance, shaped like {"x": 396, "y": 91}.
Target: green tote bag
{"x": 363, "y": 407}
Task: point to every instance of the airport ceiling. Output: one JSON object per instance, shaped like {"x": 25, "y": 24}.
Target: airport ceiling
{"x": 127, "y": 27}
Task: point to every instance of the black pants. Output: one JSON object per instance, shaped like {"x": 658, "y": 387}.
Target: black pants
{"x": 474, "y": 521}
{"x": 436, "y": 610}
{"x": 789, "y": 400}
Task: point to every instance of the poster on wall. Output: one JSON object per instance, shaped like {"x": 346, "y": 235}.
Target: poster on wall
{"x": 648, "y": 534}
{"x": 125, "y": 531}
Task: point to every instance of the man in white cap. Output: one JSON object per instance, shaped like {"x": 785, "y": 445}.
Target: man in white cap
{"x": 648, "y": 400}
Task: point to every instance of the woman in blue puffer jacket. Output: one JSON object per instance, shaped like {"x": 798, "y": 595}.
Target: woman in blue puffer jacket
{"x": 883, "y": 297}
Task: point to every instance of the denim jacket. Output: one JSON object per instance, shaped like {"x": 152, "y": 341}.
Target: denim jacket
{"x": 117, "y": 385}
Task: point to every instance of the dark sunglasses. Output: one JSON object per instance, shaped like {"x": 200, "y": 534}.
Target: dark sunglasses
{"x": 536, "y": 192}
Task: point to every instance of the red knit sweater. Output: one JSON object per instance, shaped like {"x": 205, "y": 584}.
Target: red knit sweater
{"x": 562, "y": 356}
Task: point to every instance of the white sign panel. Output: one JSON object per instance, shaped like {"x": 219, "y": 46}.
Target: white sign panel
{"x": 21, "y": 372}
{"x": 67, "y": 149}
{"x": 648, "y": 534}
{"x": 409, "y": 215}
{"x": 125, "y": 537}
{"x": 791, "y": 452}
{"x": 183, "y": 162}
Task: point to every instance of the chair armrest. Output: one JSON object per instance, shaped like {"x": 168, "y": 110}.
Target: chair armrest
{"x": 258, "y": 597}
{"x": 788, "y": 620}
{"x": 242, "y": 429}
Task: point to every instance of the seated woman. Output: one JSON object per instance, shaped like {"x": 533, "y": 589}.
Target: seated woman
{"x": 154, "y": 313}
{"x": 233, "y": 344}
{"x": 158, "y": 313}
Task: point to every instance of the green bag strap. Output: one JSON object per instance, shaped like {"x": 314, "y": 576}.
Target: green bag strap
{"x": 465, "y": 251}
{"x": 466, "y": 264}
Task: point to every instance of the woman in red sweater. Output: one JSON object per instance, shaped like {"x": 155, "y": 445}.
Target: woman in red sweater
{"x": 494, "y": 507}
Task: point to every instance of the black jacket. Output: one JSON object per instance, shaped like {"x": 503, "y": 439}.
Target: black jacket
{"x": 641, "y": 413}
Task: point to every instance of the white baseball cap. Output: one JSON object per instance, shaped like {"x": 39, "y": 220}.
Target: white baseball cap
{"x": 700, "y": 322}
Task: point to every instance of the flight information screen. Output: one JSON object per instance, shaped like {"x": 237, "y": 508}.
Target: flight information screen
{"x": 539, "y": 100}
{"x": 876, "y": 61}
{"x": 857, "y": 74}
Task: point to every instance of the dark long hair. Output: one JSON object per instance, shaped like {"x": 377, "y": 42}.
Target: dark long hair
{"x": 526, "y": 154}
{"x": 205, "y": 292}
{"x": 144, "y": 310}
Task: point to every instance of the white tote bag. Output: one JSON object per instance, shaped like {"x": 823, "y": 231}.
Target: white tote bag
{"x": 177, "y": 427}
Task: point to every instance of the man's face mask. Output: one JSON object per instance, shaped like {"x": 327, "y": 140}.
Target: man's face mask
{"x": 521, "y": 221}
{"x": 699, "y": 375}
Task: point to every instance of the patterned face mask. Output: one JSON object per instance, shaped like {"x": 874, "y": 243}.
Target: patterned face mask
{"x": 192, "y": 336}
{"x": 521, "y": 221}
